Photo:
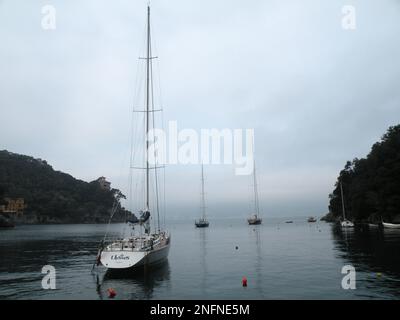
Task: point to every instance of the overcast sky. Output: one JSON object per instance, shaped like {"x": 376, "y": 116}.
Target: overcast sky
{"x": 315, "y": 93}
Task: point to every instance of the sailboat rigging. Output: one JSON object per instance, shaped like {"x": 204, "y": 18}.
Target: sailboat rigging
{"x": 202, "y": 222}
{"x": 345, "y": 223}
{"x": 140, "y": 248}
{"x": 255, "y": 218}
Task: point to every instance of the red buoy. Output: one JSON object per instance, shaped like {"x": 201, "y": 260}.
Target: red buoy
{"x": 244, "y": 282}
{"x": 111, "y": 293}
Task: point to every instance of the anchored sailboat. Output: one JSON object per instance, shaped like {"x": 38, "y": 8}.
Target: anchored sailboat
{"x": 387, "y": 225}
{"x": 202, "y": 222}
{"x": 142, "y": 247}
{"x": 255, "y": 218}
{"x": 345, "y": 223}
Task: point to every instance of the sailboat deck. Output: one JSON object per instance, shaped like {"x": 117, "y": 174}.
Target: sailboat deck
{"x": 139, "y": 243}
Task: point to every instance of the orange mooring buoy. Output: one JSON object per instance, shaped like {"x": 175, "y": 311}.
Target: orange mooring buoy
{"x": 244, "y": 282}
{"x": 111, "y": 292}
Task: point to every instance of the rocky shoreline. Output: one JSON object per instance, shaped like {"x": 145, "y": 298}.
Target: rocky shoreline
{"x": 329, "y": 217}
{"x": 6, "y": 222}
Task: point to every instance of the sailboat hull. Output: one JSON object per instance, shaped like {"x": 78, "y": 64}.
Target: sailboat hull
{"x": 201, "y": 224}
{"x": 133, "y": 259}
{"x": 136, "y": 252}
{"x": 254, "y": 221}
{"x": 390, "y": 225}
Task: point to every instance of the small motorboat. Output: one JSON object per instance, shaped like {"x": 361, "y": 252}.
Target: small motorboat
{"x": 311, "y": 219}
{"x": 290, "y": 221}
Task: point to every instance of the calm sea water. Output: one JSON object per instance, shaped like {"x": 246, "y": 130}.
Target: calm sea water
{"x": 280, "y": 261}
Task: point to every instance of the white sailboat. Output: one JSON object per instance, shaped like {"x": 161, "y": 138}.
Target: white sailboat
{"x": 387, "y": 225}
{"x": 142, "y": 247}
{"x": 202, "y": 222}
{"x": 345, "y": 223}
{"x": 255, "y": 218}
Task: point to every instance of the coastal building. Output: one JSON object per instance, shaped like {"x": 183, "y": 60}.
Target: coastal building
{"x": 13, "y": 206}
{"x": 104, "y": 184}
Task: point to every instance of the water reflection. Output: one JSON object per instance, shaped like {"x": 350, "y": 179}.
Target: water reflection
{"x": 205, "y": 263}
{"x": 374, "y": 252}
{"x": 139, "y": 284}
{"x": 25, "y": 255}
{"x": 258, "y": 261}
{"x": 203, "y": 258}
{"x": 22, "y": 261}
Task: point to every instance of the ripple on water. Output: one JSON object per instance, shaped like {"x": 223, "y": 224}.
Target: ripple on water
{"x": 280, "y": 261}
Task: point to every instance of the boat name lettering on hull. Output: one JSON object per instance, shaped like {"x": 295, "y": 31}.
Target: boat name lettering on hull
{"x": 119, "y": 257}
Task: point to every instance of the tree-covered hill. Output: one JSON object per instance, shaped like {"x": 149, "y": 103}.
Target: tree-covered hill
{"x": 54, "y": 196}
{"x": 371, "y": 186}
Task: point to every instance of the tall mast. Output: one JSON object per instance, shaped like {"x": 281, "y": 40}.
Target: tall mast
{"x": 147, "y": 109}
{"x": 203, "y": 201}
{"x": 343, "y": 210}
{"x": 257, "y": 209}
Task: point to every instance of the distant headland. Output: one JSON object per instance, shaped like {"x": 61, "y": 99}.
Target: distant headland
{"x": 371, "y": 185}
{"x": 32, "y": 192}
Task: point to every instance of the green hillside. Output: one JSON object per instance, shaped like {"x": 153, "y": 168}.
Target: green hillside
{"x": 372, "y": 185}
{"x": 53, "y": 196}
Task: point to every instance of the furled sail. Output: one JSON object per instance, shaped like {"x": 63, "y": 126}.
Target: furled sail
{"x": 144, "y": 216}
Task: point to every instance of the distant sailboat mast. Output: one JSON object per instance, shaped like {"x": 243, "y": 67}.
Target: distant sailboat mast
{"x": 343, "y": 209}
{"x": 255, "y": 218}
{"x": 202, "y": 223}
{"x": 256, "y": 204}
{"x": 203, "y": 200}
{"x": 345, "y": 223}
